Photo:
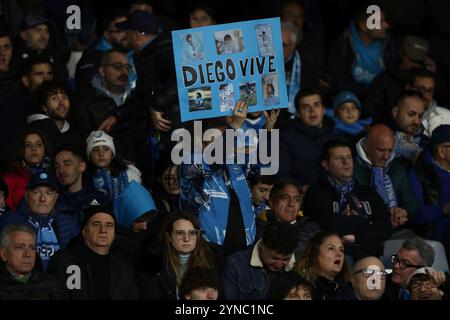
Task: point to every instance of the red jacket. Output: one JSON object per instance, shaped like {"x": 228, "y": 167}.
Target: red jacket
{"x": 17, "y": 182}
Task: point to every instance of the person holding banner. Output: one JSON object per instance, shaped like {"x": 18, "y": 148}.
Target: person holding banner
{"x": 219, "y": 193}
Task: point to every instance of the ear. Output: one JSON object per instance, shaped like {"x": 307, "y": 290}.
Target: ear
{"x": 3, "y": 254}
{"x": 362, "y": 26}
{"x": 394, "y": 111}
{"x": 82, "y": 166}
{"x": 324, "y": 164}
{"x": 101, "y": 71}
{"x": 44, "y": 108}
{"x": 25, "y": 81}
{"x": 440, "y": 152}
{"x": 187, "y": 296}
{"x": 23, "y": 35}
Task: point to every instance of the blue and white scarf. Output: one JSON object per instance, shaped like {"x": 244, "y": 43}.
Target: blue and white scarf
{"x": 347, "y": 196}
{"x": 46, "y": 240}
{"x": 109, "y": 185}
{"x": 380, "y": 179}
{"x": 293, "y": 86}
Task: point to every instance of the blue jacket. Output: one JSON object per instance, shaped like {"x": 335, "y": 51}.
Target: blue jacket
{"x": 244, "y": 277}
{"x": 242, "y": 281}
{"x": 64, "y": 226}
{"x": 431, "y": 187}
{"x": 204, "y": 191}
{"x": 74, "y": 204}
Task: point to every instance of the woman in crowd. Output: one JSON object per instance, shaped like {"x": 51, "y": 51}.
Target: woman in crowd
{"x": 31, "y": 157}
{"x": 183, "y": 248}
{"x": 323, "y": 265}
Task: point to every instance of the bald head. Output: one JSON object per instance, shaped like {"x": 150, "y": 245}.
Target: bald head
{"x": 367, "y": 262}
{"x": 379, "y": 145}
{"x": 369, "y": 279}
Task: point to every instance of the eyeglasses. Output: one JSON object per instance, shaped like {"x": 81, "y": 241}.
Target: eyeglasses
{"x": 402, "y": 264}
{"x": 428, "y": 284}
{"x": 424, "y": 91}
{"x": 119, "y": 66}
{"x": 367, "y": 272}
{"x": 181, "y": 234}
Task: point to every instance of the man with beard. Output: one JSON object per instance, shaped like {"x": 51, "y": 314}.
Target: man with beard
{"x": 55, "y": 105}
{"x": 37, "y": 36}
{"x": 407, "y": 125}
{"x": 112, "y": 38}
{"x": 107, "y": 104}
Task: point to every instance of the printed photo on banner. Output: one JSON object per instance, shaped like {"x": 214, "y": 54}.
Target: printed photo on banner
{"x": 192, "y": 46}
{"x": 270, "y": 89}
{"x": 220, "y": 64}
{"x": 200, "y": 99}
{"x": 248, "y": 91}
{"x": 229, "y": 41}
{"x": 264, "y": 36}
{"x": 226, "y": 96}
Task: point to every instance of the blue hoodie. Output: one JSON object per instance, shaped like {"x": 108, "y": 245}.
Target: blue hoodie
{"x": 132, "y": 203}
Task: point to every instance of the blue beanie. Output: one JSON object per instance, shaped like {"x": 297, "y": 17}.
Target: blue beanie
{"x": 343, "y": 97}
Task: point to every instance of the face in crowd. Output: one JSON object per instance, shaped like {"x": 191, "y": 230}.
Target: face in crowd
{"x": 101, "y": 156}
{"x": 369, "y": 279}
{"x": 41, "y": 200}
{"x": 184, "y": 236}
{"x": 99, "y": 232}
{"x": 330, "y": 258}
{"x": 311, "y": 111}
{"x": 19, "y": 254}
{"x": 286, "y": 204}
{"x": 34, "y": 149}
{"x": 6, "y": 51}
{"x": 340, "y": 164}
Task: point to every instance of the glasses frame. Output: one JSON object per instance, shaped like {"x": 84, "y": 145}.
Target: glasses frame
{"x": 379, "y": 273}
{"x": 403, "y": 265}
{"x": 181, "y": 234}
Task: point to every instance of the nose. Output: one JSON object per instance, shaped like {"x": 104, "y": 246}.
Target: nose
{"x": 27, "y": 252}
{"x": 211, "y": 295}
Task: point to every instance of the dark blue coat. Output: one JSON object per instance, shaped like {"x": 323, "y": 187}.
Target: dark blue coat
{"x": 300, "y": 151}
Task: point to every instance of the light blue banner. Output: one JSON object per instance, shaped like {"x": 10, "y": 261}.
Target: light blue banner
{"x": 218, "y": 65}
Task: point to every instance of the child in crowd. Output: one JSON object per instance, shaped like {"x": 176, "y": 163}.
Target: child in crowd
{"x": 110, "y": 174}
{"x": 346, "y": 114}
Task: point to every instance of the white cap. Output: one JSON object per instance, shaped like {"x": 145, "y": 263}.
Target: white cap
{"x": 420, "y": 271}
{"x": 99, "y": 138}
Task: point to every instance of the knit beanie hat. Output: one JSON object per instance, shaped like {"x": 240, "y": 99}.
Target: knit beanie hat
{"x": 93, "y": 209}
{"x": 343, "y": 97}
{"x": 99, "y": 138}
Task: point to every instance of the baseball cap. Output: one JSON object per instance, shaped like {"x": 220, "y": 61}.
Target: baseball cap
{"x": 440, "y": 135}
{"x": 419, "y": 271}
{"x": 141, "y": 21}
{"x": 43, "y": 178}
{"x": 416, "y": 48}
{"x": 32, "y": 21}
